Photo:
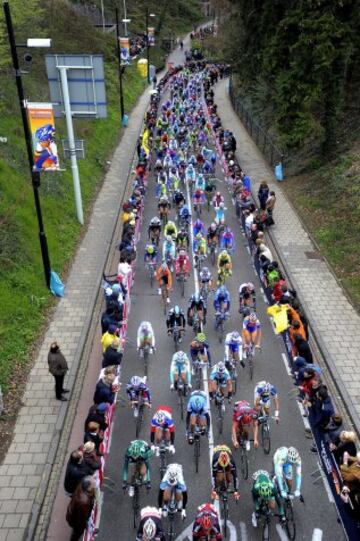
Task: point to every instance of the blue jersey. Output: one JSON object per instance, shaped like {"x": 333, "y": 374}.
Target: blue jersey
{"x": 220, "y": 298}
{"x": 197, "y": 403}
{"x": 263, "y": 393}
{"x": 221, "y": 378}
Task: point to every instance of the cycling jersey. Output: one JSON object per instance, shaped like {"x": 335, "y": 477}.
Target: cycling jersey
{"x": 221, "y": 378}
{"x": 243, "y": 413}
{"x": 216, "y": 468}
{"x": 284, "y": 468}
{"x": 167, "y": 424}
{"x": 251, "y": 326}
{"x": 180, "y": 367}
{"x": 263, "y": 395}
{"x": 144, "y": 457}
{"x": 233, "y": 345}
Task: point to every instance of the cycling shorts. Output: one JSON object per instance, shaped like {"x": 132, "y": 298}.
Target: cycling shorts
{"x": 200, "y": 416}
{"x": 181, "y": 368}
{"x": 234, "y": 348}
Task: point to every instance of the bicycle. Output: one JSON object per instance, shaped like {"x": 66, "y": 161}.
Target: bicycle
{"x": 176, "y": 334}
{"x": 151, "y": 269}
{"x": 290, "y": 525}
{"x": 212, "y": 250}
{"x": 181, "y": 389}
{"x": 264, "y": 423}
{"x": 233, "y": 373}
{"x": 172, "y": 509}
{"x": 197, "y": 434}
{"x": 182, "y": 280}
{"x": 204, "y": 291}
{"x": 138, "y": 483}
{"x": 220, "y": 318}
{"x": 163, "y": 451}
{"x": 198, "y": 259}
{"x": 220, "y": 406}
{"x": 196, "y": 323}
{"x": 164, "y": 296}
{"x": 198, "y": 366}
{"x": 250, "y": 358}
{"x": 265, "y": 518}
{"x": 144, "y": 353}
{"x": 244, "y": 460}
{"x": 223, "y": 493}
{"x": 139, "y": 407}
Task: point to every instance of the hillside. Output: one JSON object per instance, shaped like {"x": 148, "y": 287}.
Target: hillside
{"x": 24, "y": 299}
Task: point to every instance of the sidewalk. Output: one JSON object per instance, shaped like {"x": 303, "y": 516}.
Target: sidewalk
{"x": 333, "y": 320}
{"x": 27, "y": 465}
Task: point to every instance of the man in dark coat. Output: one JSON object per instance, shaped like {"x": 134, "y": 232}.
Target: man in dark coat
{"x": 112, "y": 355}
{"x": 58, "y": 368}
{"x": 76, "y": 470}
{"x": 80, "y": 508}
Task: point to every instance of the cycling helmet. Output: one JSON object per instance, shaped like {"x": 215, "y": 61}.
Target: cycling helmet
{"x": 221, "y": 367}
{"x": 265, "y": 490}
{"x": 180, "y": 357}
{"x": 135, "y": 449}
{"x": 266, "y": 389}
{"x": 145, "y": 326}
{"x": 169, "y": 239}
{"x": 205, "y": 270}
{"x": 222, "y": 291}
{"x": 199, "y": 236}
{"x": 213, "y": 227}
{"x": 182, "y": 253}
{"x": 177, "y": 310}
{"x": 250, "y": 286}
{"x": 173, "y": 474}
{"x": 150, "y": 249}
{"x": 164, "y": 199}
{"x": 235, "y": 335}
{"x": 155, "y": 221}
{"x": 183, "y": 232}
{"x": 135, "y": 381}
{"x": 293, "y": 455}
{"x": 224, "y": 459}
{"x": 253, "y": 317}
{"x": 197, "y": 403}
{"x": 200, "y": 337}
{"x": 198, "y": 191}
{"x": 222, "y": 205}
{"x": 164, "y": 266}
{"x": 198, "y": 223}
{"x": 218, "y": 194}
{"x": 160, "y": 417}
{"x": 224, "y": 255}
{"x": 206, "y": 521}
{"x": 149, "y": 529}
{"x": 197, "y": 297}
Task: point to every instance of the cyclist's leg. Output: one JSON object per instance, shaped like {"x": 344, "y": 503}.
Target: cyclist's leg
{"x": 167, "y": 495}
{"x": 288, "y": 474}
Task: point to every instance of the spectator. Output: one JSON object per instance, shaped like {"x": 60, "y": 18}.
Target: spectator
{"x": 80, "y": 508}
{"x": 321, "y": 409}
{"x": 345, "y": 444}
{"x": 154, "y": 81}
{"x": 350, "y": 470}
{"x": 263, "y": 195}
{"x": 93, "y": 434}
{"x": 58, "y": 368}
{"x": 113, "y": 355}
{"x": 296, "y": 327}
{"x": 76, "y": 470}
{"x": 108, "y": 337}
{"x": 270, "y": 205}
{"x": 104, "y": 389}
{"x": 91, "y": 458}
{"x": 333, "y": 430}
{"x": 303, "y": 348}
{"x": 97, "y": 414}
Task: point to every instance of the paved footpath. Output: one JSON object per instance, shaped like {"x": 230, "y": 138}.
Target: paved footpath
{"x": 27, "y": 465}
{"x": 334, "y": 321}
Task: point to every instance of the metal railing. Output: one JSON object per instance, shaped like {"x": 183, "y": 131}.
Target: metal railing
{"x": 264, "y": 142}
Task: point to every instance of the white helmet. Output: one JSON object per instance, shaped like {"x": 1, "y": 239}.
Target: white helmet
{"x": 293, "y": 455}
{"x": 173, "y": 473}
{"x": 149, "y": 529}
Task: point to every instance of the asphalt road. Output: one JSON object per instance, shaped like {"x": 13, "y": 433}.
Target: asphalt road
{"x": 316, "y": 519}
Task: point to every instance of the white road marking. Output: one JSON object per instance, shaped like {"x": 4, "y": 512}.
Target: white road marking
{"x": 265, "y": 298}
{"x": 317, "y": 535}
{"x": 284, "y": 358}
{"x": 303, "y": 415}
{"x": 326, "y": 485}
{"x": 248, "y": 249}
{"x": 185, "y": 534}
{"x": 243, "y": 531}
{"x": 281, "y": 533}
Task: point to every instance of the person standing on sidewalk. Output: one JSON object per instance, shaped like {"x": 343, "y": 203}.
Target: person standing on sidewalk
{"x": 80, "y": 508}
{"x": 58, "y": 368}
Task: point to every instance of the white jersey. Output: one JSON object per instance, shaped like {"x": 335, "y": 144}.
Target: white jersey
{"x": 232, "y": 345}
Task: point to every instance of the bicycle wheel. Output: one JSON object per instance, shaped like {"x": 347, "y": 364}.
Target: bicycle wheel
{"x": 182, "y": 285}
{"x": 171, "y": 531}
{"x": 226, "y": 516}
{"x": 198, "y": 375}
{"x": 146, "y": 360}
{"x": 266, "y": 531}
{"x": 197, "y": 453}
{"x": 181, "y": 403}
{"x": 220, "y": 419}
{"x": 290, "y": 521}
{"x": 164, "y": 298}
{"x": 139, "y": 419}
{"x": 212, "y": 255}
{"x": 221, "y": 332}
{"x": 136, "y": 504}
{"x": 265, "y": 437}
{"x": 244, "y": 463}
{"x": 234, "y": 382}
{"x": 151, "y": 276}
{"x": 162, "y": 464}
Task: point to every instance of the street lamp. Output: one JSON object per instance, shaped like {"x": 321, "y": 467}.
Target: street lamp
{"x": 147, "y": 42}
{"x": 35, "y": 175}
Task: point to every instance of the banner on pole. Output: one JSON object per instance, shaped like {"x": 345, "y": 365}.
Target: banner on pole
{"x": 42, "y": 127}
{"x": 151, "y": 36}
{"x": 125, "y": 51}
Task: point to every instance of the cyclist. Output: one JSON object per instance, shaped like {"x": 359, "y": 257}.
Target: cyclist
{"x": 170, "y": 230}
{"x": 199, "y": 246}
{"x": 212, "y": 234}
{"x": 263, "y": 393}
{"x": 161, "y": 186}
{"x": 184, "y": 215}
{"x": 210, "y": 188}
{"x": 217, "y": 199}
{"x": 224, "y": 266}
{"x": 196, "y": 304}
{"x": 223, "y": 467}
{"x": 199, "y": 349}
{"x": 220, "y": 213}
{"x": 222, "y": 300}
{"x": 264, "y": 492}
{"x": 243, "y": 417}
{"x": 176, "y": 318}
{"x": 150, "y": 254}
{"x": 219, "y": 379}
{"x": 154, "y": 230}
{"x": 247, "y": 298}
{"x": 164, "y": 277}
{"x": 197, "y": 414}
{"x": 190, "y": 174}
{"x": 173, "y": 480}
{"x": 169, "y": 250}
{"x": 145, "y": 337}
{"x": 227, "y": 240}
{"x": 163, "y": 207}
{"x": 233, "y": 349}
{"x": 198, "y": 227}
{"x": 179, "y": 199}
{"x": 162, "y": 428}
{"x": 182, "y": 264}
{"x": 200, "y": 182}
{"x": 180, "y": 368}
{"x": 205, "y": 277}
{"x": 136, "y": 386}
{"x": 137, "y": 457}
{"x": 251, "y": 331}
{"x": 182, "y": 240}
{"x": 285, "y": 460}
{"x": 198, "y": 198}
{"x": 207, "y": 524}
{"x": 150, "y": 526}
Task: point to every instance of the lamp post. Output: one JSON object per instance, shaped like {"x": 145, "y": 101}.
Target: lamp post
{"x": 35, "y": 175}
{"x": 147, "y": 15}
{"x": 121, "y": 68}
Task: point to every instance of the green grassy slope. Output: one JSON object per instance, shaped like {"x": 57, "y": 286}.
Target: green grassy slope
{"x": 24, "y": 298}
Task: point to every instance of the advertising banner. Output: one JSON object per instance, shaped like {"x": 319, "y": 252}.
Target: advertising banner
{"x": 42, "y": 127}
{"x": 125, "y": 51}
{"x": 151, "y": 36}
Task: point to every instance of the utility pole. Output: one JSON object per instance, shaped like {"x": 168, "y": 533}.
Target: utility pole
{"x": 35, "y": 175}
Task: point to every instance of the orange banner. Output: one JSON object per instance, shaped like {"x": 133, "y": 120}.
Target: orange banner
{"x": 42, "y": 127}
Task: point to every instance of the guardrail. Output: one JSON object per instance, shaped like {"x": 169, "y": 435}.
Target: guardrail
{"x": 263, "y": 140}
